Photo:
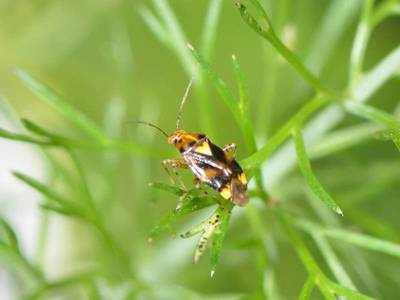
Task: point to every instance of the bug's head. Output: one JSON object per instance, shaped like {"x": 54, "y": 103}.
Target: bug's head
{"x": 181, "y": 139}
{"x": 176, "y": 137}
{"x": 184, "y": 140}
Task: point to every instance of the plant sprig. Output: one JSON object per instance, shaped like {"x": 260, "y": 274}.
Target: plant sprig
{"x": 55, "y": 140}
{"x": 213, "y": 230}
{"x": 308, "y": 174}
{"x": 266, "y": 31}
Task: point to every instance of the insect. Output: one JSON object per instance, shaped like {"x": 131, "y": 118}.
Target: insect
{"x": 210, "y": 164}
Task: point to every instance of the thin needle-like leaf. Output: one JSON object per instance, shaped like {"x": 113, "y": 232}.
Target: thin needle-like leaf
{"x": 244, "y": 107}
{"x": 361, "y": 41}
{"x": 364, "y": 241}
{"x": 391, "y": 134}
{"x": 23, "y": 138}
{"x": 49, "y": 194}
{"x": 210, "y": 27}
{"x": 75, "y": 116}
{"x": 308, "y": 173}
{"x": 11, "y": 236}
{"x": 354, "y": 238}
{"x": 155, "y": 26}
{"x": 333, "y": 261}
{"x": 377, "y": 116}
{"x": 190, "y": 203}
{"x": 32, "y": 127}
{"x": 268, "y": 33}
{"x": 348, "y": 293}
{"x": 307, "y": 288}
{"x": 343, "y": 139}
{"x": 176, "y": 35}
{"x": 375, "y": 78}
{"x": 167, "y": 188}
{"x": 373, "y": 114}
{"x": 219, "y": 84}
{"x": 219, "y": 237}
{"x": 256, "y": 159}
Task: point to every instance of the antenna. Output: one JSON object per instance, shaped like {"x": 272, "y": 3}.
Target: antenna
{"x": 178, "y": 119}
{"x": 152, "y": 125}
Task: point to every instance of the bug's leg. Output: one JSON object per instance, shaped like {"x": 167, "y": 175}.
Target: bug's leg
{"x": 179, "y": 163}
{"x": 175, "y": 164}
{"x": 230, "y": 147}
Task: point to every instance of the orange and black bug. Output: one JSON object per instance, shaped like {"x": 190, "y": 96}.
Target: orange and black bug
{"x": 210, "y": 164}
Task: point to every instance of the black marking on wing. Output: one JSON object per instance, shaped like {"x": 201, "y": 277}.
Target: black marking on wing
{"x": 199, "y": 164}
{"x": 235, "y": 168}
{"x": 217, "y": 152}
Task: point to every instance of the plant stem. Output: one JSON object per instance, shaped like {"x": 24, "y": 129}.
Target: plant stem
{"x": 326, "y": 286}
{"x": 256, "y": 159}
{"x": 269, "y": 34}
{"x": 307, "y": 288}
{"x": 360, "y": 42}
{"x": 295, "y": 62}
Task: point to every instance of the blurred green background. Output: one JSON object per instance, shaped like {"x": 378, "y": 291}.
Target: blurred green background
{"x": 102, "y": 58}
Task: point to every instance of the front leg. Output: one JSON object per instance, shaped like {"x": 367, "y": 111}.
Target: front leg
{"x": 230, "y": 147}
{"x": 175, "y": 164}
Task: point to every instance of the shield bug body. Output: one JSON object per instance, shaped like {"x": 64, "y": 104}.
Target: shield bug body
{"x": 210, "y": 164}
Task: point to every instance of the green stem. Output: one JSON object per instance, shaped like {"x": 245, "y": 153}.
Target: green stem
{"x": 256, "y": 159}
{"x": 107, "y": 144}
{"x": 326, "y": 286}
{"x": 308, "y": 174}
{"x": 360, "y": 42}
{"x": 268, "y": 34}
{"x": 307, "y": 288}
{"x": 384, "y": 10}
{"x": 21, "y": 260}
{"x": 295, "y": 62}
{"x": 246, "y": 124}
{"x": 79, "y": 168}
{"x": 121, "y": 260}
{"x": 256, "y": 224}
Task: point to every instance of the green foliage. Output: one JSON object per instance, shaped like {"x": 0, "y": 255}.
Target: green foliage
{"x": 267, "y": 32}
{"x": 61, "y": 106}
{"x": 308, "y": 174}
{"x": 190, "y": 202}
{"x": 77, "y": 193}
{"x": 57, "y": 202}
{"x": 11, "y": 236}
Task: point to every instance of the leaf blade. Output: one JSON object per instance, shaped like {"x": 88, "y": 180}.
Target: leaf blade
{"x": 50, "y": 97}
{"x": 307, "y": 288}
{"x": 219, "y": 85}
{"x": 11, "y": 235}
{"x": 23, "y": 138}
{"x": 47, "y": 192}
{"x": 219, "y": 237}
{"x": 373, "y": 114}
{"x": 311, "y": 179}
